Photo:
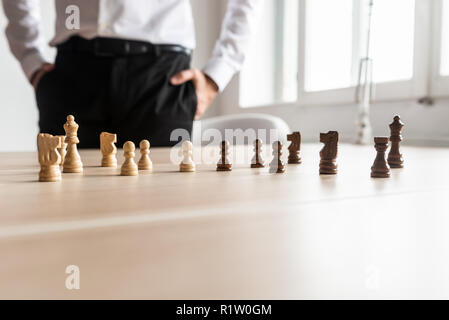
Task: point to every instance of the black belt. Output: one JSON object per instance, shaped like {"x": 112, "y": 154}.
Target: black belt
{"x": 110, "y": 47}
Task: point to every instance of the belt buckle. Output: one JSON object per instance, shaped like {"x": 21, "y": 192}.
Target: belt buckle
{"x": 99, "y": 51}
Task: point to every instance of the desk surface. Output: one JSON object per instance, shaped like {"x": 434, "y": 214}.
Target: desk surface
{"x": 237, "y": 235}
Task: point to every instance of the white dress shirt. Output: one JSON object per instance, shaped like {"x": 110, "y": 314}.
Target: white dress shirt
{"x": 155, "y": 21}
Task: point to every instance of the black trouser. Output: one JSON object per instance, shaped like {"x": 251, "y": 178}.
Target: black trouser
{"x": 129, "y": 95}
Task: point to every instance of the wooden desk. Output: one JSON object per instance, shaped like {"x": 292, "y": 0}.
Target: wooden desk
{"x": 243, "y": 234}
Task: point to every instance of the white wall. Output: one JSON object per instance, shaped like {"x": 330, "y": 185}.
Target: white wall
{"x": 18, "y": 111}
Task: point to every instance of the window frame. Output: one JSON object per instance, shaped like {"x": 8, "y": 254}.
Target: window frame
{"x": 425, "y": 81}
{"x": 438, "y": 84}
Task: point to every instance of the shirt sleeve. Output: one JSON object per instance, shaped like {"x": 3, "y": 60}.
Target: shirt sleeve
{"x": 23, "y": 33}
{"x": 229, "y": 52}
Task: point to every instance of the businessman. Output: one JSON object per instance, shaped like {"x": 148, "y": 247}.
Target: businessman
{"x": 124, "y": 66}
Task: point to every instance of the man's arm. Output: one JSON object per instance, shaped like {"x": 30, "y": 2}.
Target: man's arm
{"x": 228, "y": 55}
{"x": 23, "y": 33}
{"x": 230, "y": 50}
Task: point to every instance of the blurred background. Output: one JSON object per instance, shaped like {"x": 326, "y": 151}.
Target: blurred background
{"x": 309, "y": 64}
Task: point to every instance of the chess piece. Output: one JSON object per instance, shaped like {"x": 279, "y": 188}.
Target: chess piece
{"x": 276, "y": 165}
{"x": 395, "y": 159}
{"x": 49, "y": 157}
{"x": 224, "y": 164}
{"x": 62, "y": 150}
{"x": 257, "y": 161}
{"x": 294, "y": 148}
{"x": 129, "y": 167}
{"x": 328, "y": 155}
{"x": 72, "y": 161}
{"x": 187, "y": 164}
{"x": 145, "y": 161}
{"x": 380, "y": 168}
{"x": 108, "y": 149}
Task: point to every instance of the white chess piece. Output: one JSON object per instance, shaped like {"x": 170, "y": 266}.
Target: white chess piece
{"x": 187, "y": 164}
{"x": 129, "y": 167}
{"x": 72, "y": 161}
{"x": 145, "y": 162}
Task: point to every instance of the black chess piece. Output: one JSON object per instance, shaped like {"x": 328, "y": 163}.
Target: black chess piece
{"x": 294, "y": 148}
{"x": 328, "y": 155}
{"x": 380, "y": 168}
{"x": 257, "y": 161}
{"x": 395, "y": 159}
{"x": 276, "y": 165}
{"x": 224, "y": 164}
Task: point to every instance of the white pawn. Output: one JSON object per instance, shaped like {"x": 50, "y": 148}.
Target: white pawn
{"x": 145, "y": 161}
{"x": 187, "y": 164}
{"x": 129, "y": 167}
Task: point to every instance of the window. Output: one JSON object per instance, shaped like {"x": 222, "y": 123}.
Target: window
{"x": 270, "y": 71}
{"x": 439, "y": 86}
{"x": 392, "y": 40}
{"x": 310, "y": 51}
{"x": 328, "y": 58}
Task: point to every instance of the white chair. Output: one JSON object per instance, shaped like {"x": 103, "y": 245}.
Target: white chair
{"x": 234, "y": 127}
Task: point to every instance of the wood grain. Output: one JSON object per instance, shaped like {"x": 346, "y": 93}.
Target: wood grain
{"x": 242, "y": 234}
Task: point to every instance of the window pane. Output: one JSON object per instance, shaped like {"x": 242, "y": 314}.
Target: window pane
{"x": 445, "y": 40}
{"x": 270, "y": 71}
{"x": 328, "y": 44}
{"x": 392, "y": 39}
